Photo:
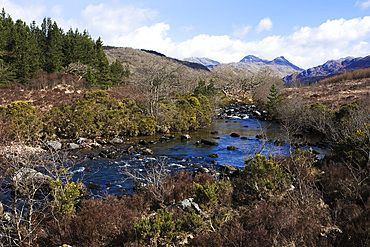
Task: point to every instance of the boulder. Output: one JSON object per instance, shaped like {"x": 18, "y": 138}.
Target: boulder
{"x": 231, "y": 147}
{"x": 81, "y": 140}
{"x": 117, "y": 140}
{"x": 234, "y": 135}
{"x": 229, "y": 169}
{"x": 26, "y": 179}
{"x": 185, "y": 138}
{"x": 208, "y": 142}
{"x": 164, "y": 139}
{"x": 53, "y": 145}
{"x": 72, "y": 146}
{"x": 147, "y": 151}
{"x": 213, "y": 155}
{"x": 143, "y": 142}
{"x": 93, "y": 186}
{"x": 190, "y": 203}
{"x": 203, "y": 170}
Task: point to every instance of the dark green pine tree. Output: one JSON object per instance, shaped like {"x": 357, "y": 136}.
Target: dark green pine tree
{"x": 101, "y": 63}
{"x": 90, "y": 77}
{"x": 273, "y": 100}
{"x": 7, "y": 76}
{"x": 118, "y": 72}
{"x": 35, "y": 48}
{"x": 53, "y": 46}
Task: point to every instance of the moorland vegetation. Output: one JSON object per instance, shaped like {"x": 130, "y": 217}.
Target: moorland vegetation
{"x": 293, "y": 200}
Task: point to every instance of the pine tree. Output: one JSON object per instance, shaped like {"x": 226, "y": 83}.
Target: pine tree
{"x": 53, "y": 46}
{"x": 102, "y": 64}
{"x": 118, "y": 72}
{"x": 273, "y": 100}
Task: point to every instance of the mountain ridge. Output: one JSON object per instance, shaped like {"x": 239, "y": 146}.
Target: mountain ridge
{"x": 328, "y": 69}
{"x": 280, "y": 66}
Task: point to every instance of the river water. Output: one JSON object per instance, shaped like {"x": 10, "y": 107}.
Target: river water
{"x": 111, "y": 175}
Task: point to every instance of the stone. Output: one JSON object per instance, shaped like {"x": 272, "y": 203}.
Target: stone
{"x": 234, "y": 135}
{"x": 203, "y": 170}
{"x": 185, "y": 137}
{"x": 147, "y": 151}
{"x": 26, "y": 179}
{"x": 93, "y": 186}
{"x": 229, "y": 169}
{"x": 231, "y": 147}
{"x": 190, "y": 203}
{"x": 208, "y": 142}
{"x": 213, "y": 155}
{"x": 117, "y": 140}
{"x": 81, "y": 140}
{"x": 54, "y": 145}
{"x": 143, "y": 142}
{"x": 72, "y": 146}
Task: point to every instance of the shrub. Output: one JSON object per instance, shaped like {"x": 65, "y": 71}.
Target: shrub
{"x": 208, "y": 195}
{"x": 160, "y": 228}
{"x": 65, "y": 195}
{"x": 98, "y": 116}
{"x": 264, "y": 177}
{"x": 25, "y": 121}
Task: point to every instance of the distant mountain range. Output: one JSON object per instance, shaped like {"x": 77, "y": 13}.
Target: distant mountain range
{"x": 252, "y": 64}
{"x": 288, "y": 71}
{"x": 328, "y": 69}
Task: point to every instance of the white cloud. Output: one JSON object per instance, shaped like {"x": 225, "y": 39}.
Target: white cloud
{"x": 241, "y": 32}
{"x": 363, "y": 5}
{"x": 306, "y": 47}
{"x": 132, "y": 26}
{"x": 114, "y": 21}
{"x": 264, "y": 25}
{"x": 186, "y": 29}
{"x": 28, "y": 11}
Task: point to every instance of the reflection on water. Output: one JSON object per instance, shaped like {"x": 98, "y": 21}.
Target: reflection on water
{"x": 109, "y": 174}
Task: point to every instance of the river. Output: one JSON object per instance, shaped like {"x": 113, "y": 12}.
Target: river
{"x": 110, "y": 175}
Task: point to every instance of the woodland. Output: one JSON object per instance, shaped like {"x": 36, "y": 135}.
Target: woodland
{"x": 57, "y": 86}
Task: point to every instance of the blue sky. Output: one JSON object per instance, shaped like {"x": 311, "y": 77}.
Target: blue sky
{"x": 306, "y": 32}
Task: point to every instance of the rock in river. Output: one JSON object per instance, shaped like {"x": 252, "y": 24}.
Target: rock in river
{"x": 208, "y": 142}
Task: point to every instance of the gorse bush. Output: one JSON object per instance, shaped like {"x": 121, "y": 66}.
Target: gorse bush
{"x": 65, "y": 195}
{"x": 208, "y": 195}
{"x": 264, "y": 177}
{"x": 186, "y": 112}
{"x": 24, "y": 120}
{"x": 98, "y": 116}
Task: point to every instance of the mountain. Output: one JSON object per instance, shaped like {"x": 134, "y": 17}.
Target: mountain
{"x": 252, "y": 59}
{"x": 282, "y": 61}
{"x": 209, "y": 63}
{"x": 279, "y": 66}
{"x": 190, "y": 64}
{"x": 328, "y": 69}
{"x": 252, "y": 64}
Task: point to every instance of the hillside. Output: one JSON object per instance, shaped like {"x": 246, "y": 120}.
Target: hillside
{"x": 330, "y": 68}
{"x": 333, "y": 94}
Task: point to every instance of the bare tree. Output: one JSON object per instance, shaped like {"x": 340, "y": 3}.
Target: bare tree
{"x": 26, "y": 192}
